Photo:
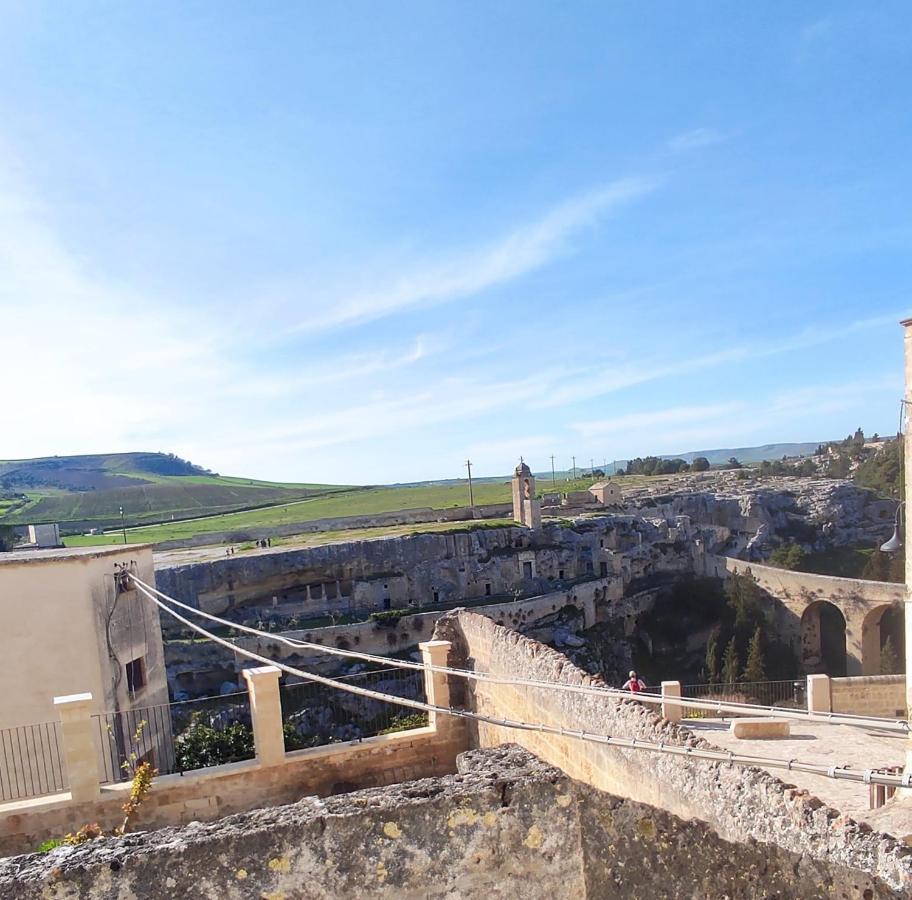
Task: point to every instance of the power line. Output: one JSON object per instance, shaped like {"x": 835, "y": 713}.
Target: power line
{"x": 845, "y": 773}
{"x": 613, "y": 693}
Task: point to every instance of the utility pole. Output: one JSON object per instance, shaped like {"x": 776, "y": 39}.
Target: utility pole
{"x": 574, "y": 467}
{"x": 552, "y": 470}
{"x": 591, "y": 465}
{"x": 471, "y": 495}
{"x": 123, "y": 526}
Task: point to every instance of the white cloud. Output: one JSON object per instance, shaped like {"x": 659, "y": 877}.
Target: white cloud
{"x": 654, "y": 419}
{"x": 696, "y": 139}
{"x": 520, "y": 252}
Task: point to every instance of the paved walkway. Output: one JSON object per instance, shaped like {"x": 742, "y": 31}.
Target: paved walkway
{"x": 830, "y": 745}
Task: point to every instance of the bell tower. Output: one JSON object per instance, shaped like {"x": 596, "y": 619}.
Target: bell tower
{"x": 526, "y": 509}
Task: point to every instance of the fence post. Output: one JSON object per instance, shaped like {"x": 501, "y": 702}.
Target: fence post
{"x": 436, "y": 684}
{"x": 81, "y": 760}
{"x": 819, "y": 697}
{"x": 266, "y": 714}
{"x": 672, "y": 711}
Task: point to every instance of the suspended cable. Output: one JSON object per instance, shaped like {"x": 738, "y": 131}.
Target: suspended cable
{"x": 844, "y": 773}
{"x": 689, "y": 702}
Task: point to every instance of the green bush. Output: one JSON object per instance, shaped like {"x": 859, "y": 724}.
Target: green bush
{"x": 406, "y": 723}
{"x": 201, "y": 745}
{"x": 789, "y": 556}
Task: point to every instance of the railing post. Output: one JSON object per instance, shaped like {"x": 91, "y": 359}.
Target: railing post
{"x": 819, "y": 698}
{"x": 81, "y": 760}
{"x": 672, "y": 711}
{"x": 266, "y": 714}
{"x": 436, "y": 684}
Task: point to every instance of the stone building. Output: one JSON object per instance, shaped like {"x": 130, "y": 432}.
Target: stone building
{"x": 607, "y": 493}
{"x": 526, "y": 508}
{"x": 69, "y": 625}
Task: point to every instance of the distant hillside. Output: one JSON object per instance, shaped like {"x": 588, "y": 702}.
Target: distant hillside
{"x": 749, "y": 454}
{"x": 88, "y": 491}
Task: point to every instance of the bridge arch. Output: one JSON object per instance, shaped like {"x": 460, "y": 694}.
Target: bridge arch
{"x": 823, "y": 639}
{"x": 882, "y": 624}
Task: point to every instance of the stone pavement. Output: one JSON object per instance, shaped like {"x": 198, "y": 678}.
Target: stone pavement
{"x": 829, "y": 745}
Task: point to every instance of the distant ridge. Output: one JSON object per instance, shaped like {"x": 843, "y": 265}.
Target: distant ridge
{"x": 750, "y": 454}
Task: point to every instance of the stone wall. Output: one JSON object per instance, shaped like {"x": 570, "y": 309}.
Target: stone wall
{"x": 506, "y": 825}
{"x": 187, "y": 662}
{"x": 860, "y": 602}
{"x": 869, "y": 695}
{"x": 741, "y": 804}
{"x": 208, "y": 794}
{"x": 442, "y": 567}
{"x": 340, "y": 523}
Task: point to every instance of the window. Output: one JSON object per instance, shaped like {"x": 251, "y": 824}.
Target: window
{"x": 603, "y": 569}
{"x": 488, "y": 589}
{"x": 387, "y": 603}
{"x": 527, "y": 570}
{"x": 560, "y": 575}
{"x": 136, "y": 674}
{"x": 436, "y": 596}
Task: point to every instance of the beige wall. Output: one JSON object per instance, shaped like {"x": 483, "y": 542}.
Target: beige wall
{"x": 55, "y": 609}
{"x": 870, "y": 695}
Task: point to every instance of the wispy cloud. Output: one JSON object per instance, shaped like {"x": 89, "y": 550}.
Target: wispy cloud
{"x": 696, "y": 139}
{"x": 522, "y": 251}
{"x": 654, "y": 419}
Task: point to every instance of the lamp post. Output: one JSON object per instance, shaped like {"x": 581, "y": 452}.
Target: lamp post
{"x": 123, "y": 525}
{"x": 904, "y": 499}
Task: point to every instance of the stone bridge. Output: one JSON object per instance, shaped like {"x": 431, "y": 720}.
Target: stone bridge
{"x": 836, "y": 625}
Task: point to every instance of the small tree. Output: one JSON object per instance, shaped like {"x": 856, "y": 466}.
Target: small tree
{"x": 889, "y": 658}
{"x": 789, "y": 556}
{"x": 731, "y": 664}
{"x": 700, "y": 464}
{"x": 754, "y": 670}
{"x": 712, "y": 658}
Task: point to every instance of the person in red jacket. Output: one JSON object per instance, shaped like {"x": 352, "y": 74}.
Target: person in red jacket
{"x": 634, "y": 684}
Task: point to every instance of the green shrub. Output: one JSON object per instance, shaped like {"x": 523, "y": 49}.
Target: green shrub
{"x": 201, "y": 745}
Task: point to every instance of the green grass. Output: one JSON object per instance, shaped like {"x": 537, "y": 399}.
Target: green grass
{"x": 370, "y": 501}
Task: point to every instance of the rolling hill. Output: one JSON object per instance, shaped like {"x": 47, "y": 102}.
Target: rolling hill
{"x": 83, "y": 492}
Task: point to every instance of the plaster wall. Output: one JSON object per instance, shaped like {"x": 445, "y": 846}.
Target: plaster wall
{"x": 57, "y": 610}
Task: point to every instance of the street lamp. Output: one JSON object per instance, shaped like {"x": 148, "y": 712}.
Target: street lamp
{"x": 123, "y": 526}
{"x": 895, "y": 542}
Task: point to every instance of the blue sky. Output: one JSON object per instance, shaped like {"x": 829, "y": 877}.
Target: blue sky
{"x": 361, "y": 242}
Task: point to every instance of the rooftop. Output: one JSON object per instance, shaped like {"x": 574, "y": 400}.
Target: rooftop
{"x": 57, "y": 554}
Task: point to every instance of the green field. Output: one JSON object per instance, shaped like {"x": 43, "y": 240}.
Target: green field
{"x": 82, "y": 492}
{"x": 363, "y": 502}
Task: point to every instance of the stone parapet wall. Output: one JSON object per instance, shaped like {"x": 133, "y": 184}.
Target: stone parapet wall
{"x": 506, "y": 825}
{"x": 741, "y": 804}
{"x": 869, "y": 695}
{"x": 208, "y": 794}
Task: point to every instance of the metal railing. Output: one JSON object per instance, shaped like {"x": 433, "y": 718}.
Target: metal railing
{"x": 790, "y": 694}
{"x": 315, "y": 714}
{"x": 31, "y": 761}
{"x": 176, "y": 737}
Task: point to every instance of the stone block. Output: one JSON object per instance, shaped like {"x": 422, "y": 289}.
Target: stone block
{"x": 760, "y": 728}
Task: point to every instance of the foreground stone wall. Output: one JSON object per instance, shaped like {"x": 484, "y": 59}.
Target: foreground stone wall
{"x": 741, "y": 804}
{"x": 208, "y": 794}
{"x": 507, "y": 825}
